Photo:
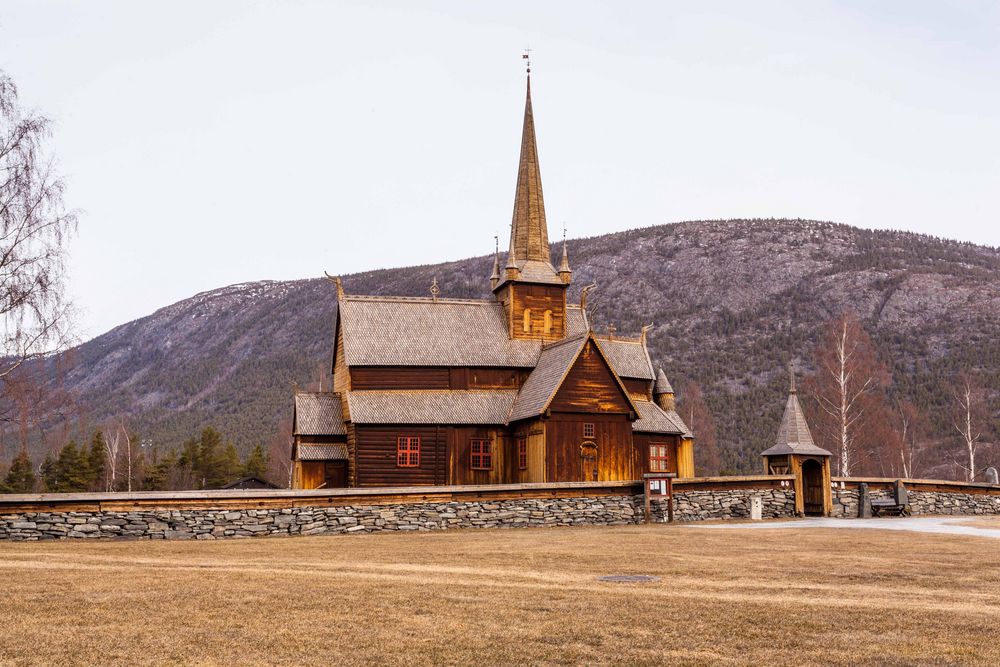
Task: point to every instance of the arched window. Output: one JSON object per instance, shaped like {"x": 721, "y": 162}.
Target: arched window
{"x": 547, "y": 324}
{"x": 526, "y": 327}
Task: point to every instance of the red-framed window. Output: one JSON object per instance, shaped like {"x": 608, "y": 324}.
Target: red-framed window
{"x": 407, "y": 452}
{"x": 522, "y": 453}
{"x": 588, "y": 430}
{"x": 481, "y": 454}
{"x": 659, "y": 458}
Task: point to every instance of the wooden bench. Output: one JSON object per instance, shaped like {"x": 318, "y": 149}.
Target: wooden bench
{"x": 898, "y": 505}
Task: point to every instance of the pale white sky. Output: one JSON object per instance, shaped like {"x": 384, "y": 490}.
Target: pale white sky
{"x": 209, "y": 143}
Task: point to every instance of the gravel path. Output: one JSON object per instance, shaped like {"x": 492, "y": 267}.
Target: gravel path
{"x": 943, "y": 525}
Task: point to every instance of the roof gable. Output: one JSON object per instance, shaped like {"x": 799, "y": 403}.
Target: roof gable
{"x": 573, "y": 374}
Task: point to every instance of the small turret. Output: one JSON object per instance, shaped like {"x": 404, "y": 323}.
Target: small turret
{"x": 565, "y": 274}
{"x": 513, "y": 273}
{"x": 495, "y": 276}
{"x": 663, "y": 393}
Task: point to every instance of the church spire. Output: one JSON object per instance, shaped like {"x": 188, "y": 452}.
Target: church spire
{"x": 495, "y": 276}
{"x": 564, "y": 271}
{"x": 529, "y": 236}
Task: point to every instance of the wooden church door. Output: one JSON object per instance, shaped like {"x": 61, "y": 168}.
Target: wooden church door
{"x": 588, "y": 462}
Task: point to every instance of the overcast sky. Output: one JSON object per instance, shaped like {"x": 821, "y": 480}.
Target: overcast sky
{"x": 210, "y": 143}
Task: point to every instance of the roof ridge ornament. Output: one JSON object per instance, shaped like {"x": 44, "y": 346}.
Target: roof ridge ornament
{"x": 435, "y": 290}
{"x": 791, "y": 378}
{"x": 583, "y": 295}
{"x": 336, "y": 281}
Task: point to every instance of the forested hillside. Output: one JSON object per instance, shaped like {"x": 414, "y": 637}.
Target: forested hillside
{"x": 732, "y": 301}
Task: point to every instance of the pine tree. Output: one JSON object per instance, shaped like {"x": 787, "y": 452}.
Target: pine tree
{"x": 256, "y": 463}
{"x": 164, "y": 474}
{"x": 72, "y": 469}
{"x": 229, "y": 467}
{"x": 21, "y": 476}
{"x": 95, "y": 462}
{"x": 50, "y": 474}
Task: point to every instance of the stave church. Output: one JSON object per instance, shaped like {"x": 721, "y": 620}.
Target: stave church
{"x": 513, "y": 389}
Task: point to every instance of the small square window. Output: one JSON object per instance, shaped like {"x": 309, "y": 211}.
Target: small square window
{"x": 408, "y": 452}
{"x": 588, "y": 430}
{"x": 659, "y": 458}
{"x": 481, "y": 454}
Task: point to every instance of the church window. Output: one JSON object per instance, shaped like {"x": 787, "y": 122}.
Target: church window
{"x": 481, "y": 455}
{"x": 526, "y": 326}
{"x": 408, "y": 452}
{"x": 588, "y": 430}
{"x": 522, "y": 453}
{"x": 659, "y": 458}
{"x": 547, "y": 325}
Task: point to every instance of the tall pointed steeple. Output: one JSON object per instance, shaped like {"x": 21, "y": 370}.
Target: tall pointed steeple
{"x": 529, "y": 235}
{"x": 532, "y": 292}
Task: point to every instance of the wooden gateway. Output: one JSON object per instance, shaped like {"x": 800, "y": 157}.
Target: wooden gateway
{"x": 513, "y": 389}
{"x": 795, "y": 453}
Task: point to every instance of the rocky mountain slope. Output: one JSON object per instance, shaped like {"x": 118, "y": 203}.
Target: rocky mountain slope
{"x": 732, "y": 301}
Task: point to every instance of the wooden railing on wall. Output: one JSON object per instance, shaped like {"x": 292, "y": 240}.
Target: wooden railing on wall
{"x": 267, "y": 498}
{"x": 937, "y": 485}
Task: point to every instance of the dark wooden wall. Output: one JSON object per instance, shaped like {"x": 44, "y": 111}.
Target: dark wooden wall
{"x": 642, "y": 388}
{"x": 375, "y": 452}
{"x": 590, "y": 387}
{"x": 616, "y": 458}
{"x": 642, "y": 442}
{"x": 435, "y": 377}
{"x": 459, "y": 456}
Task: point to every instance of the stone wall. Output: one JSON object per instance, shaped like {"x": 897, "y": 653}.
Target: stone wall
{"x": 845, "y": 502}
{"x": 210, "y": 524}
{"x": 729, "y": 504}
{"x": 215, "y": 524}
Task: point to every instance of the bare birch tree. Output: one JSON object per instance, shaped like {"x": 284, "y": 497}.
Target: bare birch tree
{"x": 968, "y": 417}
{"x": 911, "y": 424}
{"x": 111, "y": 447}
{"x": 34, "y": 227}
{"x": 845, "y": 387}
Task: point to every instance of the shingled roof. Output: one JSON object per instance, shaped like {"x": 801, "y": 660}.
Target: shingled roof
{"x": 333, "y": 452}
{"x": 653, "y": 419}
{"x": 318, "y": 413}
{"x": 793, "y": 433}
{"x": 629, "y": 358}
{"x": 408, "y": 331}
{"x": 553, "y": 365}
{"x": 431, "y": 406}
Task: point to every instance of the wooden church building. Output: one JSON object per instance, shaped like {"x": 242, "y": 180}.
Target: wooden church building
{"x": 516, "y": 388}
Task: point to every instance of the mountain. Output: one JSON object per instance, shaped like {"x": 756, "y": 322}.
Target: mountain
{"x": 732, "y": 302}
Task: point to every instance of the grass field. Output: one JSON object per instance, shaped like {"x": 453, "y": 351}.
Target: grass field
{"x": 760, "y": 596}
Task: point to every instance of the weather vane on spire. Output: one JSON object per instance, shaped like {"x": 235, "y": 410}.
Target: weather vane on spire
{"x": 526, "y": 56}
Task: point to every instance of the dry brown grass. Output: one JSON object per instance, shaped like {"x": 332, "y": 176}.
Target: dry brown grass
{"x": 508, "y": 596}
{"x": 984, "y": 522}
